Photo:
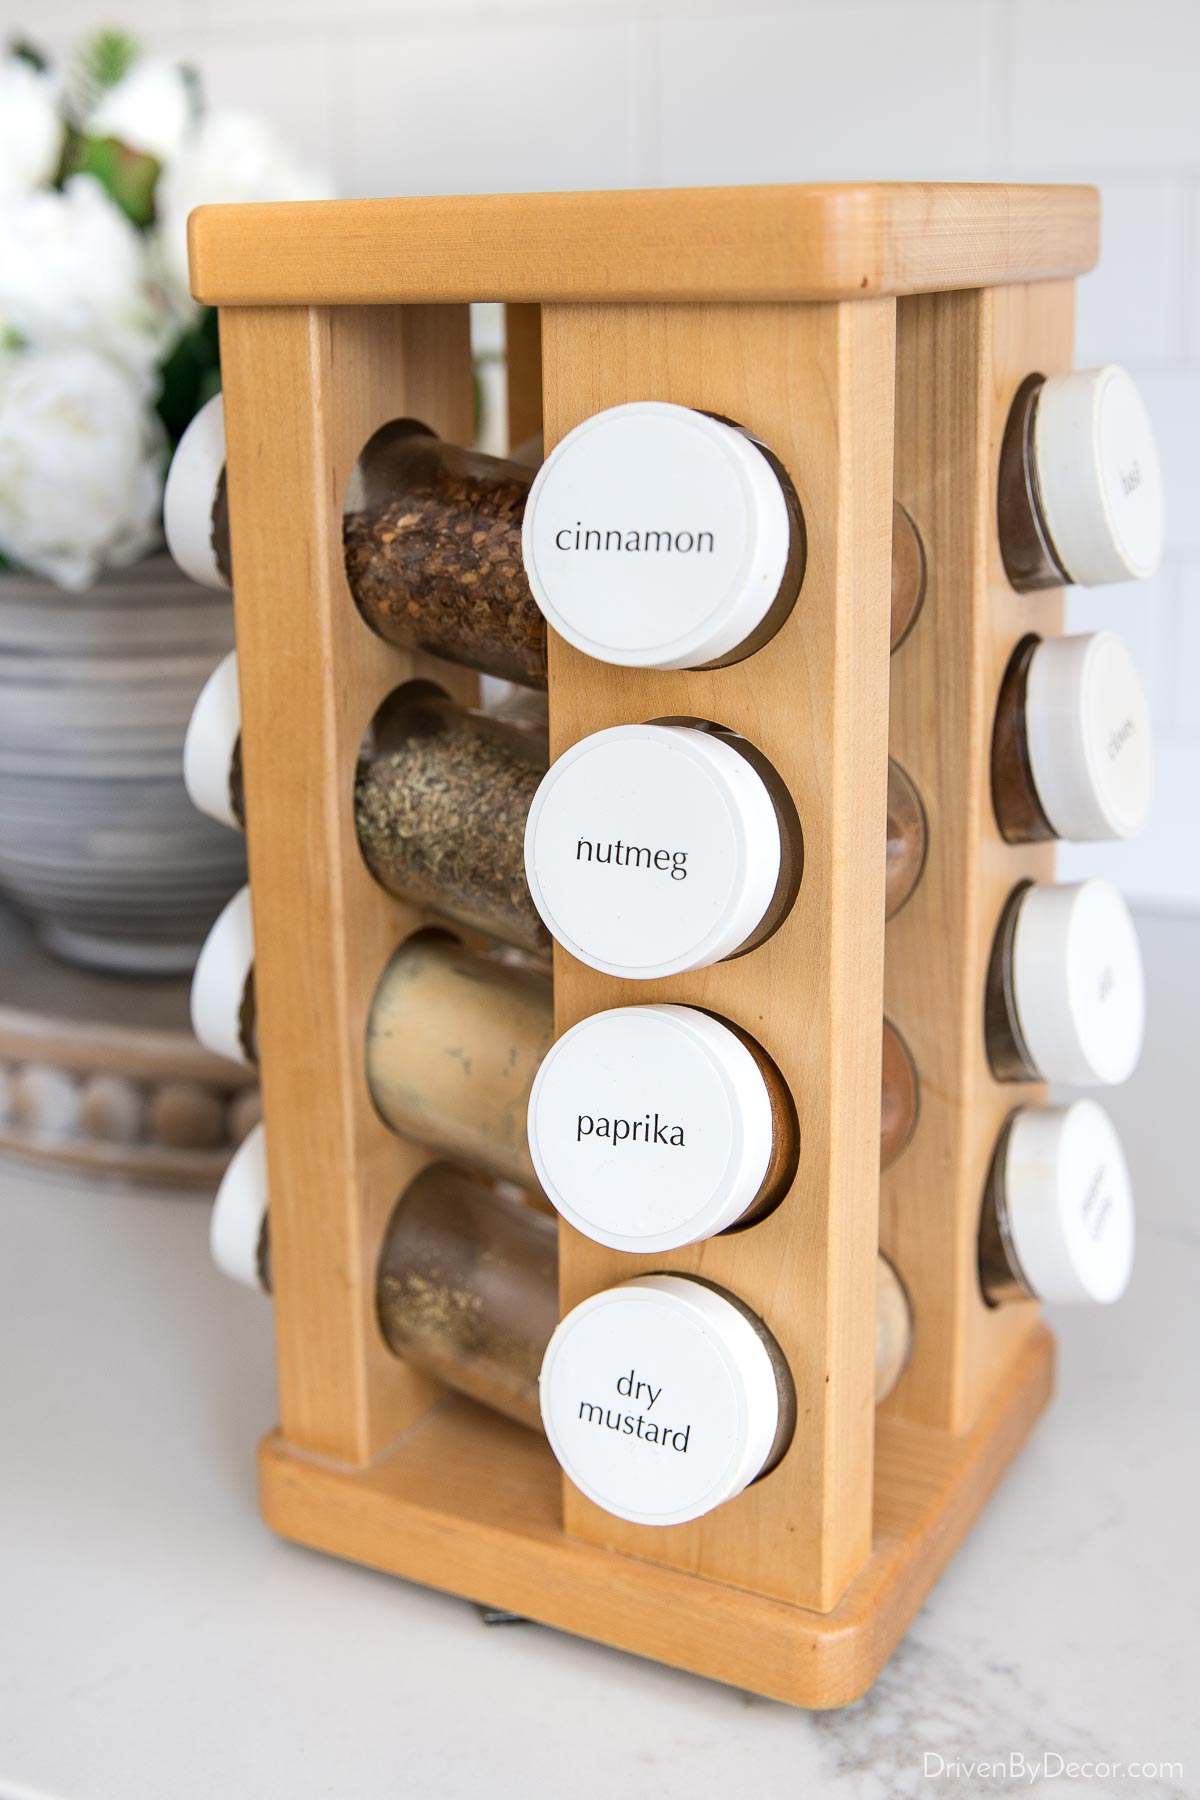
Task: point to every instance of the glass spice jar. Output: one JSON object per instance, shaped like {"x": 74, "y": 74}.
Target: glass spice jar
{"x": 440, "y": 803}
{"x": 1057, "y": 1222}
{"x": 907, "y": 839}
{"x": 899, "y": 1096}
{"x": 454, "y": 1041}
{"x": 1072, "y": 751}
{"x": 432, "y": 542}
{"x": 908, "y": 574}
{"x": 467, "y": 1289}
{"x": 1080, "y": 495}
{"x": 467, "y": 1280}
{"x": 1065, "y": 998}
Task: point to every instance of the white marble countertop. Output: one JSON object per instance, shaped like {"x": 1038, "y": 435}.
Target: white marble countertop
{"x": 156, "y": 1643}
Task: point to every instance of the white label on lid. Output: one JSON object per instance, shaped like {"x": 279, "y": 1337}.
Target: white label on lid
{"x": 650, "y": 1127}
{"x": 1078, "y": 983}
{"x": 656, "y": 536}
{"x": 1090, "y": 743}
{"x": 659, "y": 1399}
{"x": 1069, "y": 1203}
{"x": 1099, "y": 476}
{"x": 651, "y": 849}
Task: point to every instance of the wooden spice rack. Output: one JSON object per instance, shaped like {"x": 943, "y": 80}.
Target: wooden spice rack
{"x": 874, "y": 336}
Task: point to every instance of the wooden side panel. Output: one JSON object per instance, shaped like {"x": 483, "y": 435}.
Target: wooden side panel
{"x": 815, "y": 382}
{"x": 960, "y": 359}
{"x": 304, "y": 389}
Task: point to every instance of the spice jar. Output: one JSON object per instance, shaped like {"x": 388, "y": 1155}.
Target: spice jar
{"x": 441, "y": 794}
{"x": 467, "y": 1289}
{"x": 440, "y": 804}
{"x": 454, "y": 1041}
{"x": 1057, "y": 1220}
{"x": 1080, "y": 490}
{"x": 467, "y": 1284}
{"x": 907, "y": 838}
{"x": 908, "y": 574}
{"x": 432, "y": 543}
{"x": 899, "y": 1096}
{"x": 1072, "y": 752}
{"x": 1066, "y": 994}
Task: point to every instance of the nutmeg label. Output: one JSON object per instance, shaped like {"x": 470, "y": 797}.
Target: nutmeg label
{"x": 651, "y": 849}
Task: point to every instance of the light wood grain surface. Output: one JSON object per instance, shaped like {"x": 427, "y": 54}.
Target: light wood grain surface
{"x": 820, "y": 242}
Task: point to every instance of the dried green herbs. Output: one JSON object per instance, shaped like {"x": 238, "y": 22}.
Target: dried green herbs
{"x": 440, "y": 806}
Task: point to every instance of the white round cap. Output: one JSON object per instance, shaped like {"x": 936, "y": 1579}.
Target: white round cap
{"x": 223, "y": 969}
{"x": 1078, "y": 982}
{"x": 191, "y": 492}
{"x": 656, "y": 536}
{"x": 650, "y": 1127}
{"x": 650, "y": 849}
{"x": 240, "y": 1211}
{"x": 659, "y": 1399}
{"x": 1087, "y": 725}
{"x": 1069, "y": 1202}
{"x": 211, "y": 742}
{"x": 1098, "y": 475}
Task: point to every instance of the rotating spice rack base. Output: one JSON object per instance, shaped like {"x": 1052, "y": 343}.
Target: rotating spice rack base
{"x": 874, "y": 336}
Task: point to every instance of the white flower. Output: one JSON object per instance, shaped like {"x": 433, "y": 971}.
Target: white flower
{"x": 81, "y": 464}
{"x": 228, "y": 156}
{"x": 31, "y": 132}
{"x": 149, "y": 110}
{"x": 73, "y": 270}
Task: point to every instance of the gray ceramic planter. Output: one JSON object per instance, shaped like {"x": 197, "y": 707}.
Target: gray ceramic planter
{"x": 99, "y": 844}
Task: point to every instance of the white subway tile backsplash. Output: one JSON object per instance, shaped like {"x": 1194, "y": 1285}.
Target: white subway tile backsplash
{"x": 1173, "y": 399}
{"x": 1098, "y": 84}
{"x": 1186, "y": 661}
{"x": 507, "y": 107}
{"x": 1130, "y": 308}
{"x": 824, "y": 93}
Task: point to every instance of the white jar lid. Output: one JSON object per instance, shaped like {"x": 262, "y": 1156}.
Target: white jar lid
{"x": 656, "y": 536}
{"x": 650, "y": 1127}
{"x": 1098, "y": 475}
{"x": 211, "y": 742}
{"x": 659, "y": 1399}
{"x": 191, "y": 492}
{"x": 1069, "y": 1202}
{"x": 239, "y": 1213}
{"x": 650, "y": 849}
{"x": 1078, "y": 982}
{"x": 222, "y": 971}
{"x": 1087, "y": 725}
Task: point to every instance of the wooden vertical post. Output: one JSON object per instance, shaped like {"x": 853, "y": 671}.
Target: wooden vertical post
{"x": 960, "y": 358}
{"x": 304, "y": 390}
{"x": 815, "y": 382}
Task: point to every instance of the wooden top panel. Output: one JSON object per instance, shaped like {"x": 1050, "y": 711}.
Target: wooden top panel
{"x": 820, "y": 242}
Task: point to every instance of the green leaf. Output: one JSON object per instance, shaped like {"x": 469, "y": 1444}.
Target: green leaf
{"x": 99, "y": 63}
{"x": 190, "y": 375}
{"x": 129, "y": 176}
